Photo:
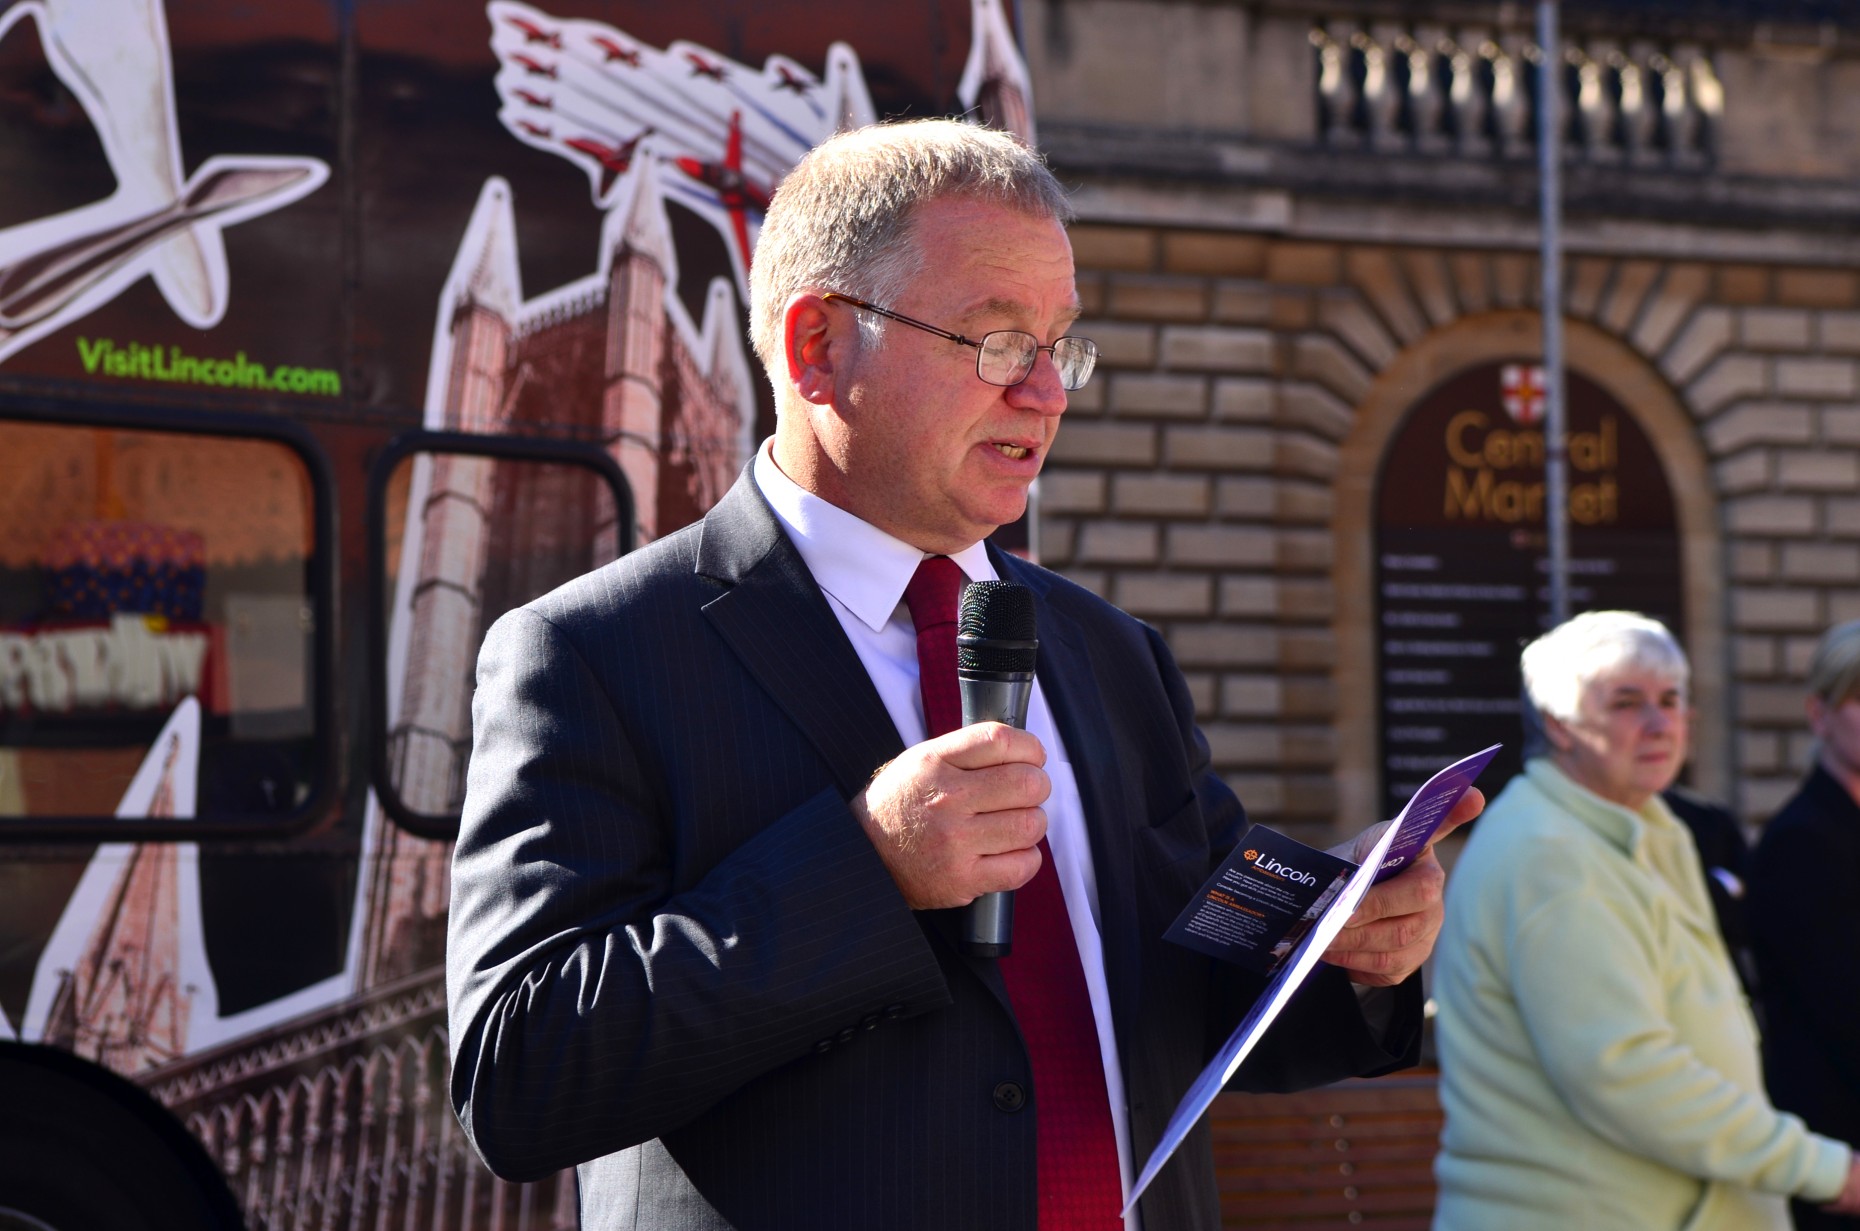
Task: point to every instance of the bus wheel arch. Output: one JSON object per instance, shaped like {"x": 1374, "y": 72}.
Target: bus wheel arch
{"x": 81, "y": 1147}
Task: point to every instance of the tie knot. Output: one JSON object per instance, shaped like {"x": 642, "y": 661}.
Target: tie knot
{"x": 933, "y": 593}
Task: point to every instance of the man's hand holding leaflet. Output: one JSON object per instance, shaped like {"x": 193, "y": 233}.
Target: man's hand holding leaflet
{"x": 1403, "y": 845}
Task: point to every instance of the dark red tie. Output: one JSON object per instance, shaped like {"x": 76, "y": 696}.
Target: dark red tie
{"x": 1079, "y": 1185}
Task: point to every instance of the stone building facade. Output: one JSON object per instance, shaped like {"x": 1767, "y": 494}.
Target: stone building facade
{"x": 1316, "y": 214}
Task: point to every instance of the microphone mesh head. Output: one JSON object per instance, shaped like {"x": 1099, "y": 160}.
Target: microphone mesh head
{"x": 993, "y": 617}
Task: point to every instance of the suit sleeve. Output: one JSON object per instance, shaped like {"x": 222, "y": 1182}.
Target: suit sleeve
{"x": 591, "y": 1007}
{"x": 1808, "y": 941}
{"x": 1323, "y": 1035}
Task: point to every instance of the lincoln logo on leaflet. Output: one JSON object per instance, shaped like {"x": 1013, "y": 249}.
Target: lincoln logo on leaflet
{"x": 1272, "y": 867}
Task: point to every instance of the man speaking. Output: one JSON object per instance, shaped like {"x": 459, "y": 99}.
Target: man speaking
{"x": 721, "y": 816}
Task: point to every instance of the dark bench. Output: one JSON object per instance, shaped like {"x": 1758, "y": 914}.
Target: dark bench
{"x": 1359, "y": 1153}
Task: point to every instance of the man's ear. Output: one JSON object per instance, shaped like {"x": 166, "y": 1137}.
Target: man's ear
{"x": 813, "y": 343}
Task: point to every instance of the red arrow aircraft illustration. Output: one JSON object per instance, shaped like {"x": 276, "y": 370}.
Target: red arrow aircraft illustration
{"x": 700, "y": 67}
{"x": 735, "y": 192}
{"x": 790, "y": 80}
{"x": 613, "y": 50}
{"x": 729, "y": 130}
{"x": 533, "y": 33}
{"x": 614, "y": 159}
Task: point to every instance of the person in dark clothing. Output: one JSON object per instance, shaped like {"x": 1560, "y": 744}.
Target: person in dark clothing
{"x": 1805, "y": 916}
{"x": 1726, "y": 858}
{"x": 721, "y": 803}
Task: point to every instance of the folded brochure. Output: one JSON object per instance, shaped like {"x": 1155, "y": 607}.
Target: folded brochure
{"x": 1274, "y": 906}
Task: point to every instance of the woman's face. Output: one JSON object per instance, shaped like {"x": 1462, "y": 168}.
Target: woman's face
{"x": 1628, "y": 738}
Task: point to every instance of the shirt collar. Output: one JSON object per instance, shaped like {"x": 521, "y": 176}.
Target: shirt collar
{"x": 1628, "y": 829}
{"x": 1826, "y": 789}
{"x": 863, "y": 567}
{"x": 1651, "y": 835}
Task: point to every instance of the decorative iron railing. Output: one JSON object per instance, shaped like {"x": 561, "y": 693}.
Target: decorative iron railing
{"x": 340, "y": 1121}
{"x": 369, "y": 1143}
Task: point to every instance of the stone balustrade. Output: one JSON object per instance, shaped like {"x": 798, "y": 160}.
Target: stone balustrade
{"x": 1471, "y": 91}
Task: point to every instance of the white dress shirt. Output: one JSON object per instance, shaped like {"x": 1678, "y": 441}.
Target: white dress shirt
{"x": 863, "y": 571}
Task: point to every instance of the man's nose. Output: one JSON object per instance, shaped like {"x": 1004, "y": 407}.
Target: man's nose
{"x": 1042, "y": 391}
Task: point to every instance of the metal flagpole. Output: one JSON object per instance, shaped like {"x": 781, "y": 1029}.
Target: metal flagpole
{"x": 1549, "y": 161}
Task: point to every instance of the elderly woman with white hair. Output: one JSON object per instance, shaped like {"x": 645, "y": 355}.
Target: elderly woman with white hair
{"x": 1598, "y": 1059}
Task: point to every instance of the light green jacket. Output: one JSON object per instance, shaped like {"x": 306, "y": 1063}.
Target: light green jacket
{"x": 1598, "y": 1060}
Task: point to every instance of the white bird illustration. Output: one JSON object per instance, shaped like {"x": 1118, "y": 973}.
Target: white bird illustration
{"x": 114, "y": 57}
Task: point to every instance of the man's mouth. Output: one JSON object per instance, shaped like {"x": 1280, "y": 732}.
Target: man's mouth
{"x": 1015, "y": 452}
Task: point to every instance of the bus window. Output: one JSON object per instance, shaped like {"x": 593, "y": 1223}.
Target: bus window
{"x": 463, "y": 534}
{"x": 155, "y": 586}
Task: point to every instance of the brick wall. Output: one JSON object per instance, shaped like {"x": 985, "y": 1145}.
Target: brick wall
{"x": 1195, "y": 481}
{"x": 1191, "y": 486}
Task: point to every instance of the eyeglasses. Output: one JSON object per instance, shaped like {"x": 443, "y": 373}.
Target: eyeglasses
{"x": 1005, "y": 356}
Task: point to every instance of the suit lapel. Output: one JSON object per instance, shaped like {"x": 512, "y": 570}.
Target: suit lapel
{"x": 1067, "y": 678}
{"x": 774, "y": 617}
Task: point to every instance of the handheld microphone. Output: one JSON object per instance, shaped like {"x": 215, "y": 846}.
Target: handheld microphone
{"x": 995, "y": 648}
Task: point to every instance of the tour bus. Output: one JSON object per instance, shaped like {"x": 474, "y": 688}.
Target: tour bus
{"x": 330, "y": 331}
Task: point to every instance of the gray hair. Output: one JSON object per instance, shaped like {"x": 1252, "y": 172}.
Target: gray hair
{"x": 843, "y": 218}
{"x": 1834, "y": 671}
{"x": 1562, "y": 663}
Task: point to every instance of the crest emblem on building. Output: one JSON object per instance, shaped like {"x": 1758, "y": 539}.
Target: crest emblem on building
{"x": 1522, "y": 390}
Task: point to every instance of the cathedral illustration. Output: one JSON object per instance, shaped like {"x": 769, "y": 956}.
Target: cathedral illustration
{"x": 124, "y": 1005}
{"x": 611, "y": 357}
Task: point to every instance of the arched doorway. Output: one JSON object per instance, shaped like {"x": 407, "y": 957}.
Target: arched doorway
{"x": 1650, "y": 541}
{"x": 1461, "y": 559}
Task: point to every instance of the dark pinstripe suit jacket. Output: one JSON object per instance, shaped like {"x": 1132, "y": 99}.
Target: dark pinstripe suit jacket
{"x": 676, "y": 960}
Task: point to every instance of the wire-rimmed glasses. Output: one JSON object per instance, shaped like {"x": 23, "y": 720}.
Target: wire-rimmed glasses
{"x": 1005, "y": 356}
